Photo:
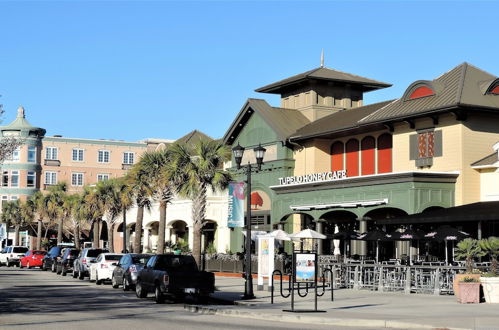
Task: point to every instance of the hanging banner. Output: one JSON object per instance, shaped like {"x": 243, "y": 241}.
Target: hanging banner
{"x": 236, "y": 204}
{"x": 265, "y": 259}
{"x": 305, "y": 267}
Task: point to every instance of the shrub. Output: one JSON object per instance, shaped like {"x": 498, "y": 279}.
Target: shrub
{"x": 491, "y": 247}
{"x": 468, "y": 249}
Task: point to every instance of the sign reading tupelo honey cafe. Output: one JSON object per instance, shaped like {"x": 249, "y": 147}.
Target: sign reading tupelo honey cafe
{"x": 311, "y": 178}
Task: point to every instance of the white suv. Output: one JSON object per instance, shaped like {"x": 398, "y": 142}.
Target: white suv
{"x": 11, "y": 255}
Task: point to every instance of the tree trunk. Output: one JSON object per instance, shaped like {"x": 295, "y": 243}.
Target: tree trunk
{"x": 138, "y": 230}
{"x": 198, "y": 214}
{"x": 162, "y": 227}
{"x": 39, "y": 235}
{"x": 125, "y": 237}
{"x": 59, "y": 230}
{"x": 16, "y": 234}
{"x": 110, "y": 234}
{"x": 96, "y": 234}
{"x": 77, "y": 236}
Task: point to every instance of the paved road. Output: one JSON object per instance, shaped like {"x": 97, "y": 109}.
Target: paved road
{"x": 33, "y": 299}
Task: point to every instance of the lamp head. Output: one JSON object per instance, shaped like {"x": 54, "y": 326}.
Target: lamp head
{"x": 238, "y": 153}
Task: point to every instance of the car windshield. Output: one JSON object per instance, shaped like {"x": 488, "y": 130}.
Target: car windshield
{"x": 20, "y": 250}
{"x": 113, "y": 257}
{"x": 142, "y": 260}
{"x": 95, "y": 252}
{"x": 177, "y": 263}
{"x": 40, "y": 253}
{"x": 74, "y": 252}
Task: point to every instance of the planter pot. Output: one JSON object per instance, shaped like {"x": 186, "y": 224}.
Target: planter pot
{"x": 490, "y": 289}
{"x": 459, "y": 278}
{"x": 469, "y": 292}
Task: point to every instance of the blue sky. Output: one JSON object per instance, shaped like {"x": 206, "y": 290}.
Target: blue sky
{"x": 135, "y": 70}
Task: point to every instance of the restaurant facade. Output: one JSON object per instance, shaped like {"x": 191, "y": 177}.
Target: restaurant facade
{"x": 333, "y": 163}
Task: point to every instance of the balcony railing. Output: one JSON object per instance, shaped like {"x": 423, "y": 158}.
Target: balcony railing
{"x": 126, "y": 167}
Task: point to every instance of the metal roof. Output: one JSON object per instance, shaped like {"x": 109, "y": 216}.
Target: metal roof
{"x": 461, "y": 86}
{"x": 489, "y": 160}
{"x": 324, "y": 74}
{"x": 284, "y": 122}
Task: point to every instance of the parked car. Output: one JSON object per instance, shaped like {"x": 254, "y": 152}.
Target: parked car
{"x": 101, "y": 269}
{"x": 128, "y": 269}
{"x": 174, "y": 275}
{"x": 50, "y": 259}
{"x": 32, "y": 258}
{"x": 82, "y": 263}
{"x": 11, "y": 255}
{"x": 65, "y": 263}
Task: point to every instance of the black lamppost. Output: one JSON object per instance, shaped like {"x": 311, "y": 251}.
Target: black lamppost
{"x": 238, "y": 152}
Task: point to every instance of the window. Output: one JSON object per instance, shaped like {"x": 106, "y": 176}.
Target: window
{"x": 14, "y": 179}
{"x": 128, "y": 157}
{"x": 368, "y": 155}
{"x": 51, "y": 178}
{"x": 16, "y": 154}
{"x": 385, "y": 153}
{"x": 5, "y": 178}
{"x": 14, "y": 198}
{"x": 31, "y": 179}
{"x": 421, "y": 92}
{"x": 352, "y": 157}
{"x": 5, "y": 199}
{"x": 103, "y": 156}
{"x": 102, "y": 177}
{"x": 337, "y": 151}
{"x": 51, "y": 153}
{"x": 77, "y": 155}
{"x": 77, "y": 179}
{"x": 31, "y": 154}
{"x": 424, "y": 146}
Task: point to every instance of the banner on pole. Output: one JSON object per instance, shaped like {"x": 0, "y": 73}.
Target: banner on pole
{"x": 236, "y": 204}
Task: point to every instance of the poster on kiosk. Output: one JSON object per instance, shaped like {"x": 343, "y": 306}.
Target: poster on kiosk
{"x": 305, "y": 267}
{"x": 265, "y": 260}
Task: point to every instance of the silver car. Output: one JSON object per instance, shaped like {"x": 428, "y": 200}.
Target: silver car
{"x": 82, "y": 263}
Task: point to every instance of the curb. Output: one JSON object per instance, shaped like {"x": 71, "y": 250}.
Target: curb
{"x": 293, "y": 318}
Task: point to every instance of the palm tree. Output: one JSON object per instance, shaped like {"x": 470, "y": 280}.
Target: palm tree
{"x": 126, "y": 201}
{"x": 156, "y": 165}
{"x": 11, "y": 215}
{"x": 79, "y": 214}
{"x": 38, "y": 210}
{"x": 53, "y": 203}
{"x": 195, "y": 171}
{"x": 138, "y": 182}
{"x": 94, "y": 206}
{"x": 112, "y": 194}
{"x": 27, "y": 212}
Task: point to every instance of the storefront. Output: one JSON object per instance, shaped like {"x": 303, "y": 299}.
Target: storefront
{"x": 333, "y": 164}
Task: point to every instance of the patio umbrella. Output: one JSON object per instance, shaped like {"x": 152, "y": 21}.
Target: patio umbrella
{"x": 344, "y": 235}
{"x": 376, "y": 235}
{"x": 307, "y": 234}
{"x": 408, "y": 235}
{"x": 281, "y": 235}
{"x": 255, "y": 234}
{"x": 447, "y": 233}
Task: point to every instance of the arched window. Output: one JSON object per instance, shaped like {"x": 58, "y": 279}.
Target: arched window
{"x": 337, "y": 151}
{"x": 385, "y": 153}
{"x": 367, "y": 154}
{"x": 495, "y": 90}
{"x": 421, "y": 92}
{"x": 352, "y": 151}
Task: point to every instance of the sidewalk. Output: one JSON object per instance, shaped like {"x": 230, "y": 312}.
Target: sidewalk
{"x": 355, "y": 308}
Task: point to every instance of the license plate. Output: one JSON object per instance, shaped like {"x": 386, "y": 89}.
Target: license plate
{"x": 190, "y": 290}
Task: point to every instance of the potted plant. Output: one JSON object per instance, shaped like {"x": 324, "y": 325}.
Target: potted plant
{"x": 468, "y": 249}
{"x": 490, "y": 280}
{"x": 469, "y": 290}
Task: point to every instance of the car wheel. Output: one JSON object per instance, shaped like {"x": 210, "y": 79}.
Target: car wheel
{"x": 113, "y": 283}
{"x": 58, "y": 270}
{"x": 158, "y": 295}
{"x": 20, "y": 265}
{"x": 53, "y": 268}
{"x": 28, "y": 265}
{"x": 8, "y": 263}
{"x": 126, "y": 286}
{"x": 97, "y": 281}
{"x": 74, "y": 274}
{"x": 139, "y": 291}
{"x": 81, "y": 276}
{"x": 64, "y": 271}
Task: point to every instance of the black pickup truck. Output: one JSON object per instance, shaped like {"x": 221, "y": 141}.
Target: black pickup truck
{"x": 174, "y": 275}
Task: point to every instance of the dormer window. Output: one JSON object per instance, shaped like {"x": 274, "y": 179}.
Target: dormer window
{"x": 495, "y": 89}
{"x": 421, "y": 92}
{"x": 419, "y": 89}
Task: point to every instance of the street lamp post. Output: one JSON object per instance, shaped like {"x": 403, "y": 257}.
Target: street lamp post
{"x": 238, "y": 153}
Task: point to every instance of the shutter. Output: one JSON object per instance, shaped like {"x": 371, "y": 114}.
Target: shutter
{"x": 438, "y": 148}
{"x": 413, "y": 147}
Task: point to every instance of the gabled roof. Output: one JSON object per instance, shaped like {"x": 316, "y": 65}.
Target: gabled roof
{"x": 462, "y": 86}
{"x": 336, "y": 122}
{"x": 324, "y": 74}
{"x": 194, "y": 137}
{"x": 284, "y": 122}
